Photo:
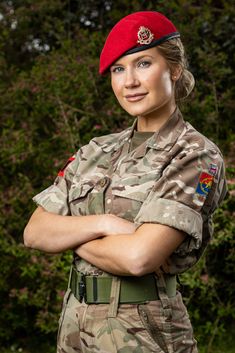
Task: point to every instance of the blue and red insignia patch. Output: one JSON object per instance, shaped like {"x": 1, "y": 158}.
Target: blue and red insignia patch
{"x": 205, "y": 183}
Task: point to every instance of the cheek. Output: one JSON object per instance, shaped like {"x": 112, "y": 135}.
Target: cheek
{"x": 116, "y": 86}
{"x": 167, "y": 82}
{"x": 117, "y": 90}
{"x": 161, "y": 85}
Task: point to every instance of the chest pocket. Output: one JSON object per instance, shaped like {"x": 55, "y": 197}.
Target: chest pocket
{"x": 130, "y": 193}
{"x": 87, "y": 197}
{"x": 135, "y": 187}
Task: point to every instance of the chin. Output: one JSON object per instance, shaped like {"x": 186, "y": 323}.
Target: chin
{"x": 142, "y": 110}
{"x": 136, "y": 112}
{"x": 139, "y": 113}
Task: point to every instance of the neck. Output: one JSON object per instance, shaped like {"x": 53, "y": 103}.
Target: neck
{"x": 153, "y": 121}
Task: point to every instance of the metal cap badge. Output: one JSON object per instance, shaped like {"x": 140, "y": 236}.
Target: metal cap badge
{"x": 145, "y": 36}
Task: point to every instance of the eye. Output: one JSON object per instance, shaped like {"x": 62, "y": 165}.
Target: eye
{"x": 116, "y": 69}
{"x": 144, "y": 63}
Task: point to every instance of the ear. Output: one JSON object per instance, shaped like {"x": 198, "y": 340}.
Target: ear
{"x": 176, "y": 73}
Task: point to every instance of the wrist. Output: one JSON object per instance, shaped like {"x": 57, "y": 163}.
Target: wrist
{"x": 104, "y": 224}
{"x": 100, "y": 225}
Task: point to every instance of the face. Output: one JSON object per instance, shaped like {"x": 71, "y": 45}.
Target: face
{"x": 143, "y": 83}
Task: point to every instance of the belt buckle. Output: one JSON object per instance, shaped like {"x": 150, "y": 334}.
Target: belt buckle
{"x": 82, "y": 288}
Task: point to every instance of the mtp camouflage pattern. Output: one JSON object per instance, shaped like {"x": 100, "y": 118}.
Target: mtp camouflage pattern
{"x": 143, "y": 328}
{"x": 176, "y": 177}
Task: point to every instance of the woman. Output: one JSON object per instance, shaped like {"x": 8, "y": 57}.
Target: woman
{"x": 135, "y": 206}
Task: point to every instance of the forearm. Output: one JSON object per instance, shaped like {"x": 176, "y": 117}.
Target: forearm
{"x": 112, "y": 254}
{"x": 55, "y": 233}
{"x": 137, "y": 254}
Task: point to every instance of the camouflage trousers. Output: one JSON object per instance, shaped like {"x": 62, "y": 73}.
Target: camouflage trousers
{"x": 157, "y": 326}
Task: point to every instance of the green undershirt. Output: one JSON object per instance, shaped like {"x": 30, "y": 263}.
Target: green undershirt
{"x": 138, "y": 138}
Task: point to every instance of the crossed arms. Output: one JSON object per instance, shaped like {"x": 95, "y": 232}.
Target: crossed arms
{"x": 106, "y": 241}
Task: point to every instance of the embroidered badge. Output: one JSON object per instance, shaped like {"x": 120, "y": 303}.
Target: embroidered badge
{"x": 61, "y": 172}
{"x": 213, "y": 169}
{"x": 145, "y": 36}
{"x": 204, "y": 185}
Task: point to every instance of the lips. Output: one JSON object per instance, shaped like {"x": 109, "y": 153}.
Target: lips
{"x": 135, "y": 97}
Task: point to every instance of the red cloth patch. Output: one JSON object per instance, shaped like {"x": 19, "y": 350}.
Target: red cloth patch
{"x": 61, "y": 172}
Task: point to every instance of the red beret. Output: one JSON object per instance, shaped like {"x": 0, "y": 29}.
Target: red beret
{"x": 135, "y": 32}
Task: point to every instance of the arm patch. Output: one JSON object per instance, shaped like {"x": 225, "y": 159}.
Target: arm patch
{"x": 61, "y": 172}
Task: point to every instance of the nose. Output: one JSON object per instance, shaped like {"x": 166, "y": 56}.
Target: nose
{"x": 131, "y": 79}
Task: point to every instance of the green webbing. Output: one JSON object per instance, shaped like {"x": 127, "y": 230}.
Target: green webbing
{"x": 114, "y": 296}
{"x": 132, "y": 289}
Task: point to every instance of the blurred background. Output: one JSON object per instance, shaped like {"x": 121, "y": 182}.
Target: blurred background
{"x": 52, "y": 101}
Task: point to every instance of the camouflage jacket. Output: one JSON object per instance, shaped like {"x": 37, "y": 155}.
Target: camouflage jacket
{"x": 176, "y": 177}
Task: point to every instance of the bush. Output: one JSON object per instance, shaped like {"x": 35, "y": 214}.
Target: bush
{"x": 53, "y": 101}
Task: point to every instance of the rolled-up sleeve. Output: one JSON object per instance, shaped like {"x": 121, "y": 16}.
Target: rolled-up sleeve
{"x": 187, "y": 187}
{"x": 173, "y": 214}
{"x": 55, "y": 198}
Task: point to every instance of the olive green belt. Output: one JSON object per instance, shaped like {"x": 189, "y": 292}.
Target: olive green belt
{"x": 96, "y": 289}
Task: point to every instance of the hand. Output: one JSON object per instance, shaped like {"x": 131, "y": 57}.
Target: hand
{"x": 116, "y": 225}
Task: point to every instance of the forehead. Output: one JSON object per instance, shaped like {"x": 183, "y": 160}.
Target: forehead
{"x": 151, "y": 53}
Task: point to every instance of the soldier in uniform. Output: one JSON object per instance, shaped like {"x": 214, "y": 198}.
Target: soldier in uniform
{"x": 136, "y": 206}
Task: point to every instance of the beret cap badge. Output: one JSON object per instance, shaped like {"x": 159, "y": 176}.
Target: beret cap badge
{"x": 145, "y": 36}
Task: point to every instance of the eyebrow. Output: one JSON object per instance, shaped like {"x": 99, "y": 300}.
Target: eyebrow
{"x": 134, "y": 60}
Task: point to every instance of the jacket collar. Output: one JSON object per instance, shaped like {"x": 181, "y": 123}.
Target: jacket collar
{"x": 118, "y": 140}
{"x": 168, "y": 134}
{"x": 163, "y": 139}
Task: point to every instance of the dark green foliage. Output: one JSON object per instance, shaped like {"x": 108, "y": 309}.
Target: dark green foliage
{"x": 52, "y": 101}
{"x": 209, "y": 288}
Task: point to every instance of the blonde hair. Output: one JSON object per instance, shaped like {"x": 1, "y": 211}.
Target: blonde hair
{"x": 173, "y": 52}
